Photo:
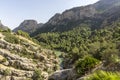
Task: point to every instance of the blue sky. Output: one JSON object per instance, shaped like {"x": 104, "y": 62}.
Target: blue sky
{"x": 13, "y": 12}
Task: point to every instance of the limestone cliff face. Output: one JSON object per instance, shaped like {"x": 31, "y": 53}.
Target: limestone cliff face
{"x": 73, "y": 14}
{"x": 20, "y": 60}
{"x": 68, "y": 19}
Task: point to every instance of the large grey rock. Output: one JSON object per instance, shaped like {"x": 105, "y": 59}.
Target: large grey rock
{"x": 67, "y": 74}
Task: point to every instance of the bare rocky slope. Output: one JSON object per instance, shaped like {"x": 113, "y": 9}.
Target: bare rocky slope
{"x": 22, "y": 59}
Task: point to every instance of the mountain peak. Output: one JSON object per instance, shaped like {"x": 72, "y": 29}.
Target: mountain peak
{"x": 2, "y": 26}
{"x": 28, "y": 26}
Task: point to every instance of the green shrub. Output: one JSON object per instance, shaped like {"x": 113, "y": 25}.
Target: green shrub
{"x": 11, "y": 38}
{"x": 37, "y": 75}
{"x": 6, "y": 72}
{"x": 4, "y": 60}
{"x": 6, "y": 30}
{"x": 85, "y": 65}
{"x": 26, "y": 35}
{"x": 25, "y": 53}
{"x": 102, "y": 75}
{"x": 22, "y": 33}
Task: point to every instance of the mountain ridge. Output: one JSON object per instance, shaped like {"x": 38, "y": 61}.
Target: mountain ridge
{"x": 93, "y": 15}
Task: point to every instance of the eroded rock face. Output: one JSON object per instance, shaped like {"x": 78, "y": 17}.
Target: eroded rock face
{"x": 73, "y": 14}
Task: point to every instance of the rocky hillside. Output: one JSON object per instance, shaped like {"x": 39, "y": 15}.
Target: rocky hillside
{"x": 23, "y": 59}
{"x": 95, "y": 16}
{"x": 28, "y": 26}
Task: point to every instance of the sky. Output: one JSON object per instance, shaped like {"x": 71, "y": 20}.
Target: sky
{"x": 13, "y": 12}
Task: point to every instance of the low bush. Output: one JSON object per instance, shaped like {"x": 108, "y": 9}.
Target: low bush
{"x": 103, "y": 75}
{"x": 11, "y": 38}
{"x": 6, "y": 72}
{"x": 22, "y": 33}
{"x": 37, "y": 75}
{"x": 86, "y": 65}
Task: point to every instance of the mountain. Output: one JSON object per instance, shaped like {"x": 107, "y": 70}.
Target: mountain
{"x": 28, "y": 26}
{"x": 23, "y": 59}
{"x": 94, "y": 15}
{"x": 2, "y": 26}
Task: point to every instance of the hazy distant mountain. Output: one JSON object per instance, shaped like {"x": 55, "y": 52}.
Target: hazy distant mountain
{"x": 2, "y": 26}
{"x": 97, "y": 15}
{"x": 106, "y": 4}
{"x": 28, "y": 26}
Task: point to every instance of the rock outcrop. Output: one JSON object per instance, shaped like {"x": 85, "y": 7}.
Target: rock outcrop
{"x": 66, "y": 74}
{"x": 71, "y": 74}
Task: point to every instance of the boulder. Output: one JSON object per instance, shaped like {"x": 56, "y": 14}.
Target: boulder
{"x": 66, "y": 74}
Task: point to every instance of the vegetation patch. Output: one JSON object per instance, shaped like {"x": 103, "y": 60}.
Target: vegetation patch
{"x": 11, "y": 38}
{"x": 6, "y": 72}
{"x": 37, "y": 75}
{"x": 103, "y": 75}
{"x": 86, "y": 65}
